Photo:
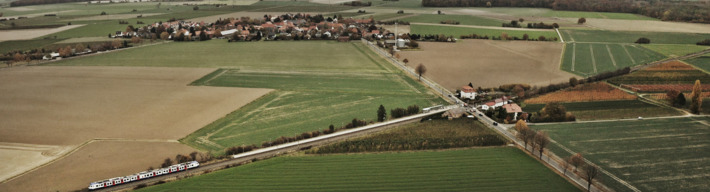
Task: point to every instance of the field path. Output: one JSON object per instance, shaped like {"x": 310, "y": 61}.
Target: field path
{"x": 401, "y": 17}
{"x": 574, "y": 55}
{"x": 594, "y": 62}
{"x": 629, "y": 54}
{"x": 611, "y": 55}
{"x": 481, "y": 27}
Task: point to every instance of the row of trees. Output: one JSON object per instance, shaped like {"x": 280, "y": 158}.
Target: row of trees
{"x": 180, "y": 158}
{"x": 70, "y": 50}
{"x": 677, "y": 99}
{"x": 539, "y": 140}
{"x": 505, "y": 36}
{"x": 687, "y": 11}
{"x": 704, "y": 42}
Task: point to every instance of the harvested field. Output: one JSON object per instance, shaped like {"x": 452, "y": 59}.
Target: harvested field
{"x": 7, "y": 35}
{"x": 81, "y": 103}
{"x": 645, "y": 25}
{"x": 668, "y": 73}
{"x": 67, "y": 106}
{"x": 19, "y": 157}
{"x": 93, "y": 162}
{"x": 488, "y": 63}
{"x": 583, "y": 93}
{"x": 664, "y": 87}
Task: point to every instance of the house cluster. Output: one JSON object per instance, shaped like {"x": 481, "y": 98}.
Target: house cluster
{"x": 468, "y": 92}
{"x": 281, "y": 27}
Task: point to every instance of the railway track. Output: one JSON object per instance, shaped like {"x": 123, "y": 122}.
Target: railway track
{"x": 279, "y": 149}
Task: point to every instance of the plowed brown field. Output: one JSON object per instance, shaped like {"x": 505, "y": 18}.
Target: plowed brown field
{"x": 141, "y": 111}
{"x": 488, "y": 63}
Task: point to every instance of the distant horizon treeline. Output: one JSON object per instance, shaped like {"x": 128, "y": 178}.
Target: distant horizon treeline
{"x": 686, "y": 11}
{"x": 41, "y": 2}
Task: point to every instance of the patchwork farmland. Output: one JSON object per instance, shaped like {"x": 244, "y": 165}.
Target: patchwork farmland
{"x": 604, "y": 110}
{"x": 347, "y": 82}
{"x": 665, "y": 154}
{"x": 587, "y": 59}
{"x": 486, "y": 169}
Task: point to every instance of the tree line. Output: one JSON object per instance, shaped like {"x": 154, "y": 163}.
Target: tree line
{"x": 686, "y": 11}
{"x": 355, "y": 123}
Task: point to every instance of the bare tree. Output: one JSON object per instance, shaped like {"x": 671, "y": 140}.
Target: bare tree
{"x": 565, "y": 165}
{"x": 193, "y": 155}
{"x": 421, "y": 69}
{"x": 576, "y": 160}
{"x": 590, "y": 173}
{"x": 405, "y": 61}
{"x": 581, "y": 20}
{"x": 541, "y": 141}
{"x": 167, "y": 163}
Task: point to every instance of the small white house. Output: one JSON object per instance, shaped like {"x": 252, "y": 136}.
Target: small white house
{"x": 488, "y": 105}
{"x": 467, "y": 92}
{"x": 514, "y": 109}
{"x": 501, "y": 101}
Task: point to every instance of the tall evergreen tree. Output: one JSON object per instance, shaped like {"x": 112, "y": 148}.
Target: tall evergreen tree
{"x": 696, "y": 98}
{"x": 381, "y": 114}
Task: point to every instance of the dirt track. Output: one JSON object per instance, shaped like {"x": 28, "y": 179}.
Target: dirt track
{"x": 59, "y": 108}
{"x": 487, "y": 63}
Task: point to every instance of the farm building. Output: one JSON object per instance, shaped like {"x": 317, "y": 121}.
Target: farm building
{"x": 467, "y": 92}
{"x": 514, "y": 109}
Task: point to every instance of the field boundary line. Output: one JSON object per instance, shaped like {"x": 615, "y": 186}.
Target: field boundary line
{"x": 574, "y": 55}
{"x": 560, "y": 35}
{"x": 629, "y": 54}
{"x": 594, "y": 62}
{"x": 611, "y": 55}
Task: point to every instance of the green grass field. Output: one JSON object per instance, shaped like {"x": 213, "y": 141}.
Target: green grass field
{"x": 463, "y": 19}
{"x": 25, "y": 45}
{"x": 675, "y": 50}
{"x": 457, "y": 31}
{"x": 631, "y": 36}
{"x": 652, "y": 155}
{"x": 702, "y": 62}
{"x": 597, "y": 110}
{"x": 592, "y": 58}
{"x": 430, "y": 134}
{"x": 346, "y": 81}
{"x": 484, "y": 169}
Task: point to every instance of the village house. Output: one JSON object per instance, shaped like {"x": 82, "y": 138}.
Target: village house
{"x": 514, "y": 109}
{"x": 467, "y": 92}
{"x": 499, "y": 102}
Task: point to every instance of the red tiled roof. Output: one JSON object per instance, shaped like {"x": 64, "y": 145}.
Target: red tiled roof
{"x": 512, "y": 108}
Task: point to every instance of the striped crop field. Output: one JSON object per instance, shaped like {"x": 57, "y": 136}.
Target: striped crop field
{"x": 586, "y": 59}
{"x": 483, "y": 169}
{"x": 668, "y": 154}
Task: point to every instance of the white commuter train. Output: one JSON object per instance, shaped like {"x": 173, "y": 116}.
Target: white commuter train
{"x": 143, "y": 175}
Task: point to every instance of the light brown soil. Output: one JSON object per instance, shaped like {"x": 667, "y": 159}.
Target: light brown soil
{"x": 22, "y": 34}
{"x": 18, "y": 157}
{"x": 641, "y": 25}
{"x": 49, "y": 111}
{"x": 70, "y": 105}
{"x": 96, "y": 161}
{"x": 488, "y": 63}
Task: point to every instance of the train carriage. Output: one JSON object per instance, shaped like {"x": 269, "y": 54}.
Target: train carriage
{"x": 143, "y": 175}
